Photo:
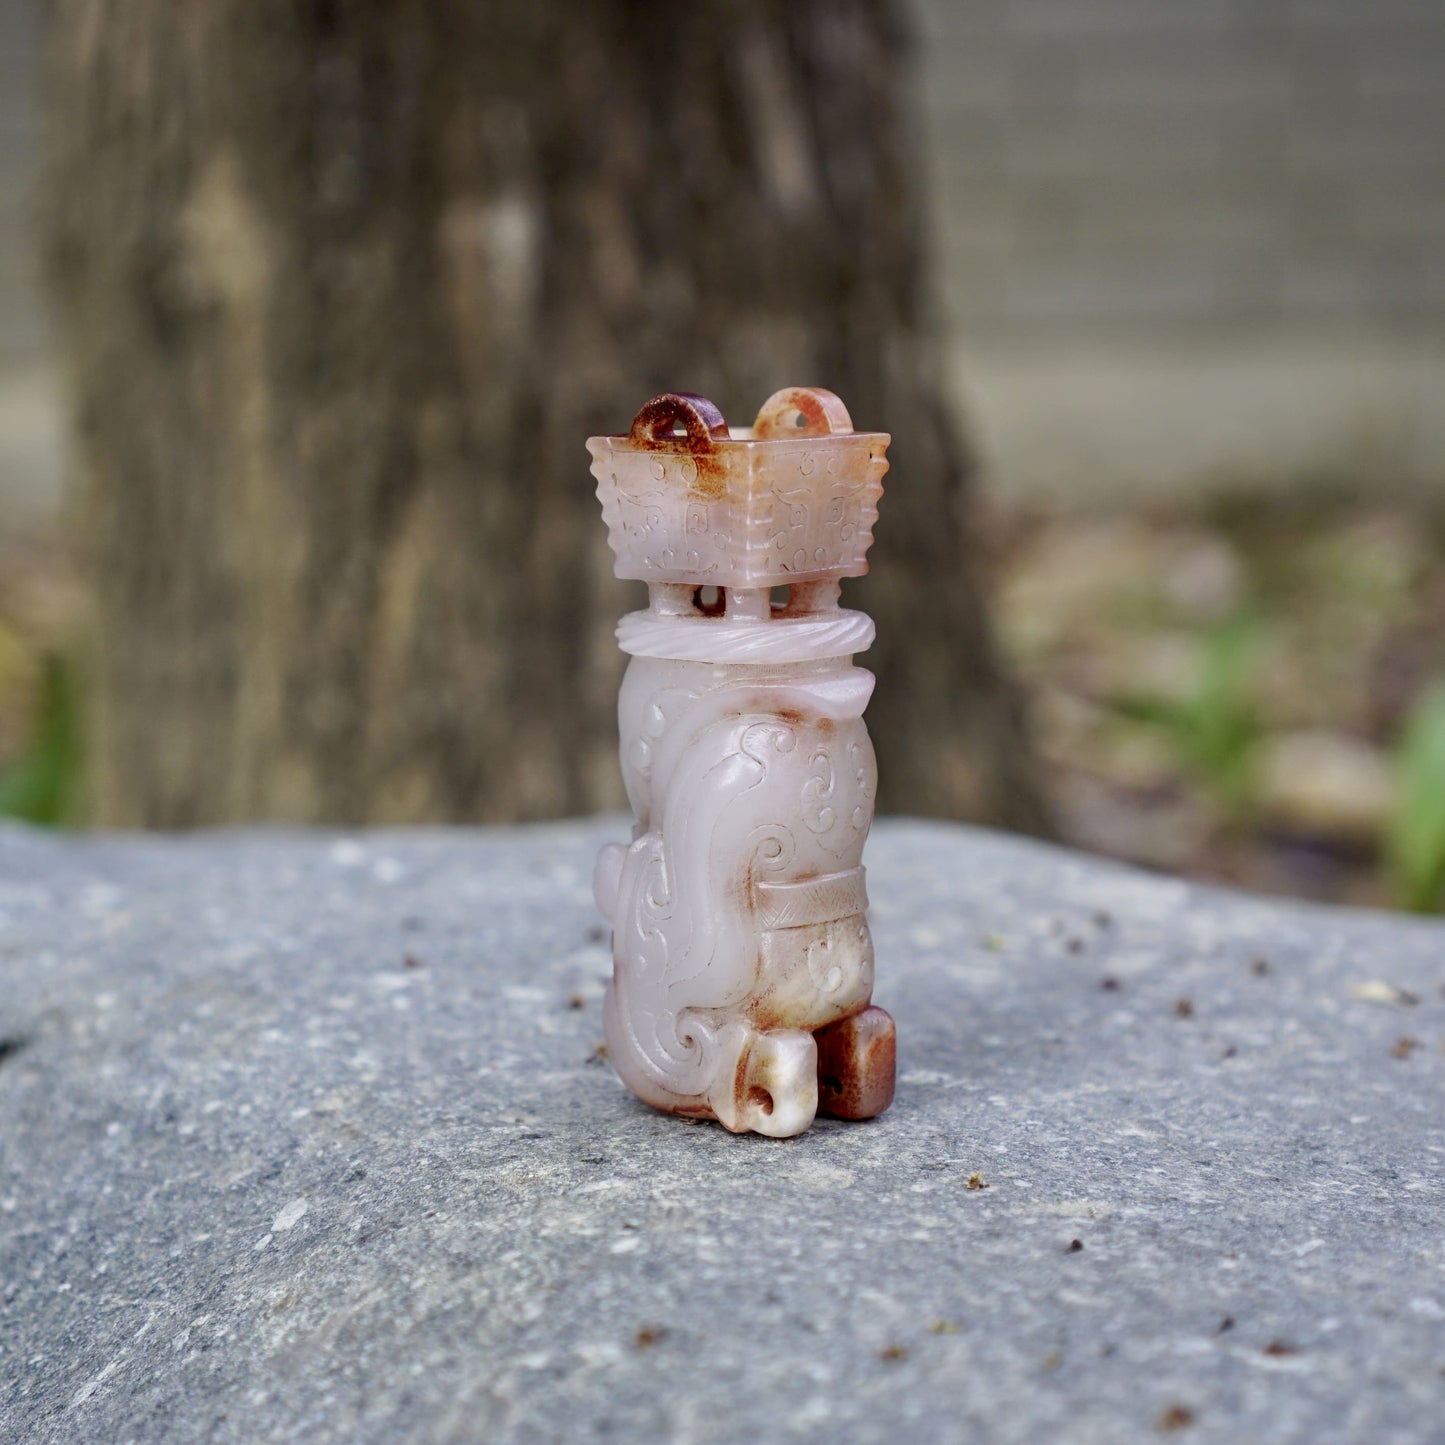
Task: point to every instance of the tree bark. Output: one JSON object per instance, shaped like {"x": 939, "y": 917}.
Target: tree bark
{"x": 342, "y": 287}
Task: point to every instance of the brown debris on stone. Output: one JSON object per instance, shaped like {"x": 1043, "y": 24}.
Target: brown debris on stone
{"x": 1176, "y": 1417}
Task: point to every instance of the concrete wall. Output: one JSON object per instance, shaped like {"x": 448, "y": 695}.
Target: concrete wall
{"x": 1186, "y": 243}
{"x": 1158, "y": 162}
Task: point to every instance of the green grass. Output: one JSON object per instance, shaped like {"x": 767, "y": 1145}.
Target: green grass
{"x": 1416, "y": 845}
{"x": 40, "y": 786}
{"x": 1213, "y": 731}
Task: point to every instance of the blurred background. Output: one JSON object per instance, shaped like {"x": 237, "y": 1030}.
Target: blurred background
{"x": 1176, "y": 267}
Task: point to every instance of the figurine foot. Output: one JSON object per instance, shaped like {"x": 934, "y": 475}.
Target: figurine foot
{"x": 775, "y": 1088}
{"x": 857, "y": 1061}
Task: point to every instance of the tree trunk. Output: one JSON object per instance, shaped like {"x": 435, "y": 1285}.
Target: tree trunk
{"x": 342, "y": 289}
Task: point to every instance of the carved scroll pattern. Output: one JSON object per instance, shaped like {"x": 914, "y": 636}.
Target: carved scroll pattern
{"x": 686, "y": 940}
{"x": 657, "y": 522}
{"x": 812, "y": 523}
{"x": 837, "y": 797}
{"x": 749, "y": 520}
{"x": 682, "y": 942}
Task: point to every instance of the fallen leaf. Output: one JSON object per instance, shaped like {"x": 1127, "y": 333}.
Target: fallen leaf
{"x": 1378, "y": 991}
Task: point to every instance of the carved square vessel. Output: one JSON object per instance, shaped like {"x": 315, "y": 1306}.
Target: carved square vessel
{"x": 740, "y": 507}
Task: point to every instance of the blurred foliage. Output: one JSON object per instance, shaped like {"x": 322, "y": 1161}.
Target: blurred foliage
{"x": 1221, "y": 688}
{"x": 1416, "y": 844}
{"x": 39, "y": 787}
{"x": 1214, "y": 729}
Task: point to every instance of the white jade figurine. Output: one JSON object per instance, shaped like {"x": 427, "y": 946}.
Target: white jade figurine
{"x": 742, "y": 962}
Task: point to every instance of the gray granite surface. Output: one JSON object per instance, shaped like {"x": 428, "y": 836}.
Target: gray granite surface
{"x": 305, "y": 1137}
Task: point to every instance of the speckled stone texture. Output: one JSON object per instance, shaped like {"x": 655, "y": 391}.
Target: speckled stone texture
{"x": 305, "y": 1137}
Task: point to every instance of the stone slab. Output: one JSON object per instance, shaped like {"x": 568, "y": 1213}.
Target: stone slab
{"x": 305, "y": 1137}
